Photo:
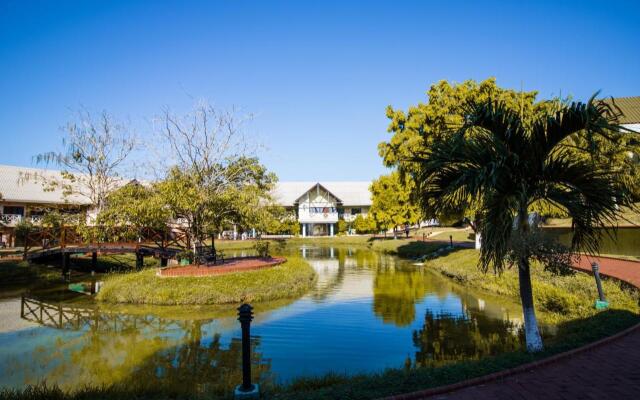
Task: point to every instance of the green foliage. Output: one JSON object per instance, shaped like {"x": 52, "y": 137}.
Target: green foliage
{"x": 262, "y": 248}
{"x": 415, "y": 131}
{"x": 343, "y": 226}
{"x": 14, "y": 273}
{"x": 130, "y": 210}
{"x": 207, "y": 201}
{"x": 288, "y": 280}
{"x": 364, "y": 224}
{"x": 508, "y": 162}
{"x": 391, "y": 202}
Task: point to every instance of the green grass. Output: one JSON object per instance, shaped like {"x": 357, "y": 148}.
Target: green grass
{"x": 557, "y": 298}
{"x": 291, "y": 279}
{"x": 20, "y": 273}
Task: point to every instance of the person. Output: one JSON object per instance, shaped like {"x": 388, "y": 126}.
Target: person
{"x": 406, "y": 230}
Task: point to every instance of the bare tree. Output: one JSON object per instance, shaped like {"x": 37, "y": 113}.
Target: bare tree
{"x": 209, "y": 167}
{"x": 204, "y": 141}
{"x": 92, "y": 159}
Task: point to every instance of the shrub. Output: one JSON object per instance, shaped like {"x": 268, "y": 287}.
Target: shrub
{"x": 262, "y": 248}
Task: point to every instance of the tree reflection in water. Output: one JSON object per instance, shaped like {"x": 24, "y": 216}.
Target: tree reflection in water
{"x": 446, "y": 338}
{"x": 173, "y": 355}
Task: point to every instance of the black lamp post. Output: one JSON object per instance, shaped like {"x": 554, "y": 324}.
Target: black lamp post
{"x": 247, "y": 390}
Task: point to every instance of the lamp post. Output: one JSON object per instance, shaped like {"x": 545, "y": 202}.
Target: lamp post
{"x": 247, "y": 390}
{"x": 601, "y": 302}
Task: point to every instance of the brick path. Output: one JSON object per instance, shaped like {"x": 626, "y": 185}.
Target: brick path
{"x": 610, "y": 370}
{"x": 229, "y": 266}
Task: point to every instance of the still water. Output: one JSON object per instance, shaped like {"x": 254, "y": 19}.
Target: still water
{"x": 367, "y": 312}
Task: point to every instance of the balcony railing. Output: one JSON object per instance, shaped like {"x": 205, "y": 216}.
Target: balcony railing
{"x": 10, "y": 219}
{"x": 14, "y": 219}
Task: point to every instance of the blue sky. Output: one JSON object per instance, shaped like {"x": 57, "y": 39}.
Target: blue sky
{"x": 317, "y": 75}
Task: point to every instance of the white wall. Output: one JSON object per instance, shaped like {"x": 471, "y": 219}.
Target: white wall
{"x": 317, "y": 206}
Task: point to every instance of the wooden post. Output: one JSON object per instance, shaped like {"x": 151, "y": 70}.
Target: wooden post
{"x": 139, "y": 260}
{"x": 22, "y": 307}
{"x": 65, "y": 263}
{"x": 94, "y": 260}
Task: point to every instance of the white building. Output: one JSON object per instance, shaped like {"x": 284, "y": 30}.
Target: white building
{"x": 319, "y": 205}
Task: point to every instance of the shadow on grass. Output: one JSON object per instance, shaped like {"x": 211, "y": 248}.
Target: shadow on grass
{"x": 203, "y": 369}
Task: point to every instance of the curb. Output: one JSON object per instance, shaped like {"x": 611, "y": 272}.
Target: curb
{"x": 421, "y": 394}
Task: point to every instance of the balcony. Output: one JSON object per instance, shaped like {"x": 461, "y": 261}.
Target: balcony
{"x": 14, "y": 219}
{"x": 10, "y": 219}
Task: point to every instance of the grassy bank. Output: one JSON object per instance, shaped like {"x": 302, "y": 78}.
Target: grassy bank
{"x": 557, "y": 298}
{"x": 19, "y": 273}
{"x": 290, "y": 279}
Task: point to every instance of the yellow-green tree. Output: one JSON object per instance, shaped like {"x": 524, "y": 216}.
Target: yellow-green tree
{"x": 415, "y": 131}
{"x": 391, "y": 202}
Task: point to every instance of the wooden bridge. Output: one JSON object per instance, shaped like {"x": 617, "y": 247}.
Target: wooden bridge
{"x": 140, "y": 250}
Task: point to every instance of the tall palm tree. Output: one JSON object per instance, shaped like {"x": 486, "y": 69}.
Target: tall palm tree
{"x": 504, "y": 163}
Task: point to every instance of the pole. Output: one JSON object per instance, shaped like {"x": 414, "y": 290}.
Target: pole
{"x": 247, "y": 390}
{"x": 139, "y": 260}
{"x": 245, "y": 315}
{"x": 596, "y": 273}
{"x": 451, "y": 241}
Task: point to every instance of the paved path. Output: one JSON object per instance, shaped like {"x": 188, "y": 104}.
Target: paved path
{"x": 608, "y": 371}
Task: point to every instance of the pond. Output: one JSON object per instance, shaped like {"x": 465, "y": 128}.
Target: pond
{"x": 367, "y": 312}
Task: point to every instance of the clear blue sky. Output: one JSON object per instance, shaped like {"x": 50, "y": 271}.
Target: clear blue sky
{"x": 318, "y": 75}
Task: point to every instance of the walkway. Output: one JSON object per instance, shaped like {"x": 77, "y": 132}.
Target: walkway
{"x": 610, "y": 370}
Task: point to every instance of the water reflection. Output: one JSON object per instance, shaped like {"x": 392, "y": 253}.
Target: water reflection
{"x": 446, "y": 338}
{"x": 367, "y": 312}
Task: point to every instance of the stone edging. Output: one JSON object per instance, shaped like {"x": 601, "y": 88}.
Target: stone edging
{"x": 421, "y": 394}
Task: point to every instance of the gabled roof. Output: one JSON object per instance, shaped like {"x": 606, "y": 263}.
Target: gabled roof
{"x": 630, "y": 107}
{"x": 25, "y": 185}
{"x": 350, "y": 193}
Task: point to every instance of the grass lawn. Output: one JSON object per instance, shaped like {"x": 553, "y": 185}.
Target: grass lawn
{"x": 557, "y": 298}
{"x": 627, "y": 218}
{"x": 291, "y": 279}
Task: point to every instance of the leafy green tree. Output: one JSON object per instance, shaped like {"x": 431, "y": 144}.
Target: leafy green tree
{"x": 23, "y": 229}
{"x": 134, "y": 211}
{"x": 213, "y": 180}
{"x": 415, "y": 131}
{"x": 508, "y": 162}
{"x": 364, "y": 225}
{"x": 391, "y": 205}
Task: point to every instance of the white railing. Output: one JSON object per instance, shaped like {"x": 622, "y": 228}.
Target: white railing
{"x": 10, "y": 219}
{"x": 36, "y": 219}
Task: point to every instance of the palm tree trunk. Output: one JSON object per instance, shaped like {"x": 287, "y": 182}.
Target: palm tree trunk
{"x": 531, "y": 331}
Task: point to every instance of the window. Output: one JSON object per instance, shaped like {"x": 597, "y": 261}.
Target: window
{"x": 356, "y": 210}
{"x": 13, "y": 210}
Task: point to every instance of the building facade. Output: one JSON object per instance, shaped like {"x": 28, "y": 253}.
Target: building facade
{"x": 23, "y": 197}
{"x": 318, "y": 206}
